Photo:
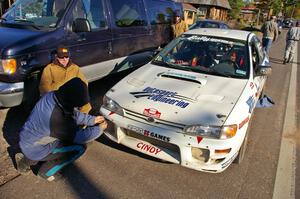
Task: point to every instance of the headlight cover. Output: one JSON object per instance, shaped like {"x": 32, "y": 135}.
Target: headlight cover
{"x": 8, "y": 66}
{"x": 224, "y": 132}
{"x": 111, "y": 105}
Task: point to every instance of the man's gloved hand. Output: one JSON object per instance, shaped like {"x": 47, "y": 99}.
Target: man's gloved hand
{"x": 99, "y": 119}
{"x": 103, "y": 125}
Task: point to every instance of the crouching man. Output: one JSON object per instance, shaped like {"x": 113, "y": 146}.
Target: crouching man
{"x": 52, "y": 138}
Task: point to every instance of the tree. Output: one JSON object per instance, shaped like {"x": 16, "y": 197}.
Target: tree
{"x": 236, "y": 6}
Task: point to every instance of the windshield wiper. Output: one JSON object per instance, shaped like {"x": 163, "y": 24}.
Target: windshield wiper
{"x": 214, "y": 72}
{"x": 27, "y": 22}
{"x": 161, "y": 63}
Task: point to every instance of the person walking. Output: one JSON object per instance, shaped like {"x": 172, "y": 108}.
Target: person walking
{"x": 179, "y": 27}
{"x": 292, "y": 37}
{"x": 51, "y": 138}
{"x": 270, "y": 34}
{"x": 61, "y": 70}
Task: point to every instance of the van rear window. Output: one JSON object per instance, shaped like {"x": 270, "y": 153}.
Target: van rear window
{"x": 129, "y": 13}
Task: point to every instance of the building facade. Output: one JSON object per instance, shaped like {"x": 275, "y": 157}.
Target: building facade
{"x": 210, "y": 9}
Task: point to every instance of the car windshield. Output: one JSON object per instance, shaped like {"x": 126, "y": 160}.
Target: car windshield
{"x": 204, "y": 54}
{"x": 36, "y": 13}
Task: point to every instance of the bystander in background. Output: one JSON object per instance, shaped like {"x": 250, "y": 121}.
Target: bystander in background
{"x": 292, "y": 37}
{"x": 270, "y": 33}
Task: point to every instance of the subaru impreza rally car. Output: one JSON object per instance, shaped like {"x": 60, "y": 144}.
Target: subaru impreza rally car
{"x": 192, "y": 104}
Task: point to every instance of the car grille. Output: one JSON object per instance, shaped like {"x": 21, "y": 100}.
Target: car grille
{"x": 157, "y": 122}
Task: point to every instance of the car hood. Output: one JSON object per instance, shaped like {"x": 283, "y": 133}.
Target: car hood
{"x": 178, "y": 96}
{"x": 14, "y": 36}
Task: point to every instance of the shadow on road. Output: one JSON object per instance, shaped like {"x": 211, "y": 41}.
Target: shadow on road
{"x": 81, "y": 184}
{"x": 280, "y": 61}
{"x": 15, "y": 118}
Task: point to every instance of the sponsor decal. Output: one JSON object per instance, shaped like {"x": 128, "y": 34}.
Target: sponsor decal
{"x": 146, "y": 147}
{"x": 111, "y": 113}
{"x": 244, "y": 122}
{"x": 199, "y": 139}
{"x": 152, "y": 112}
{"x": 149, "y": 133}
{"x": 228, "y": 162}
{"x": 251, "y": 85}
{"x": 251, "y": 102}
{"x": 241, "y": 72}
{"x": 163, "y": 96}
{"x": 157, "y": 136}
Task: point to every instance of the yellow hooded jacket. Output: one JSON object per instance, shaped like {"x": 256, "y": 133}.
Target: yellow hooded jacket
{"x": 55, "y": 75}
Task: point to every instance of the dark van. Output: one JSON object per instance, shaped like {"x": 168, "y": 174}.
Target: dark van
{"x": 104, "y": 36}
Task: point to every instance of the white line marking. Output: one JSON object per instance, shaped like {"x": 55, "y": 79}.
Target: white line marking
{"x": 286, "y": 170}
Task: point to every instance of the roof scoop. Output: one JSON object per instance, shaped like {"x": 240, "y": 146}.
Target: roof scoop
{"x": 183, "y": 77}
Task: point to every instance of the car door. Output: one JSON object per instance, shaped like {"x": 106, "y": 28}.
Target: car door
{"x": 89, "y": 49}
{"x": 130, "y": 29}
{"x": 257, "y": 57}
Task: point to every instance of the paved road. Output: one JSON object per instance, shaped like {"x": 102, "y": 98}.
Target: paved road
{"x": 109, "y": 170}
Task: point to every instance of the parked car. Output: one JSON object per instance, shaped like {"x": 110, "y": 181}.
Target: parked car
{"x": 207, "y": 23}
{"x": 104, "y": 36}
{"x": 192, "y": 104}
{"x": 287, "y": 23}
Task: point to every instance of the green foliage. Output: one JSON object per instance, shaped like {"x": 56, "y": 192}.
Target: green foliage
{"x": 235, "y": 8}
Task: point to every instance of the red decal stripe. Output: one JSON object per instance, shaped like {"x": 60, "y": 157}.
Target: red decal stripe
{"x": 199, "y": 139}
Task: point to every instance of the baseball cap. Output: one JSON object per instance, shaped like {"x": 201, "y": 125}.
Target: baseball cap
{"x": 62, "y": 52}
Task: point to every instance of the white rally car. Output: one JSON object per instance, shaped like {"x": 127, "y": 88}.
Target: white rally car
{"x": 192, "y": 104}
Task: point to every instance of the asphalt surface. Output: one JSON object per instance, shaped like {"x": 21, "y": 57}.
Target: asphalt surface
{"x": 108, "y": 170}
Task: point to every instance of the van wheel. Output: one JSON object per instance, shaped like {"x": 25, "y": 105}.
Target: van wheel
{"x": 239, "y": 158}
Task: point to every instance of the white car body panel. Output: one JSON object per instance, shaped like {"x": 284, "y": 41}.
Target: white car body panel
{"x": 154, "y": 124}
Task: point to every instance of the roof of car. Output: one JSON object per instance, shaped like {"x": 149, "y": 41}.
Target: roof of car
{"x": 210, "y": 20}
{"x": 225, "y": 33}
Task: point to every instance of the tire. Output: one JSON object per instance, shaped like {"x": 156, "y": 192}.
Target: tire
{"x": 239, "y": 158}
{"x": 31, "y": 91}
{"x": 262, "y": 93}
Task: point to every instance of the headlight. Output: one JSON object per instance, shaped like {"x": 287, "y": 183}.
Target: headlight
{"x": 111, "y": 105}
{"x": 217, "y": 132}
{"x": 8, "y": 66}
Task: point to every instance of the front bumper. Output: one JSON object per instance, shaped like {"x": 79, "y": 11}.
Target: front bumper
{"x": 11, "y": 94}
{"x": 172, "y": 146}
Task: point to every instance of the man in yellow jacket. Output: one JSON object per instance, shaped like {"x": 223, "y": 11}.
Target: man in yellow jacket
{"x": 179, "y": 27}
{"x": 60, "y": 71}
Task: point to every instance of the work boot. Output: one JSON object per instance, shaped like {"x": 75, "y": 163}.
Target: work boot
{"x": 54, "y": 178}
{"x": 22, "y": 163}
{"x": 284, "y": 61}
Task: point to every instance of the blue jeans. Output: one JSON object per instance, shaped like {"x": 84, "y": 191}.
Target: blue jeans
{"x": 266, "y": 43}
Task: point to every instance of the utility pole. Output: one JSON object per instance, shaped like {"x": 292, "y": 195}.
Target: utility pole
{"x": 293, "y": 10}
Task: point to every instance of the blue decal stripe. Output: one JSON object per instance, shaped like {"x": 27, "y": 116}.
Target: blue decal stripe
{"x": 56, "y": 168}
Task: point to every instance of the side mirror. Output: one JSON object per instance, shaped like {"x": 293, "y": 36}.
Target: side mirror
{"x": 156, "y": 51}
{"x": 81, "y": 25}
{"x": 264, "y": 70}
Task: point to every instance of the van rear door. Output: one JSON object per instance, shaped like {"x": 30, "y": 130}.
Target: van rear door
{"x": 91, "y": 47}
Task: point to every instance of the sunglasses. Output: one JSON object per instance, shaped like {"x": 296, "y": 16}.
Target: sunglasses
{"x": 63, "y": 57}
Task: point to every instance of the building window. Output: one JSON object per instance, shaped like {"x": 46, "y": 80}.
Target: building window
{"x": 201, "y": 11}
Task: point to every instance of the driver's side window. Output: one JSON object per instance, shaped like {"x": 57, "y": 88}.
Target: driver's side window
{"x": 257, "y": 53}
{"x": 93, "y": 11}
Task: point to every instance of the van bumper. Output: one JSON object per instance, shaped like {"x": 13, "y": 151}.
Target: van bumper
{"x": 11, "y": 94}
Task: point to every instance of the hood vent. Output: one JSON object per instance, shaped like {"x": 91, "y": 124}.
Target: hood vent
{"x": 184, "y": 77}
